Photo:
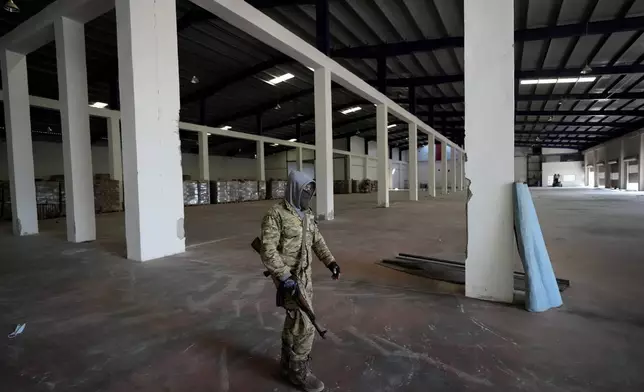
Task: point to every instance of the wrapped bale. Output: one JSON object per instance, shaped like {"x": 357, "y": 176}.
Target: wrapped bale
{"x": 248, "y": 191}
{"x": 233, "y": 190}
{"x": 261, "y": 190}
{"x": 219, "y": 192}
{"x": 190, "y": 193}
{"x": 276, "y": 189}
{"x": 107, "y": 195}
{"x": 204, "y": 192}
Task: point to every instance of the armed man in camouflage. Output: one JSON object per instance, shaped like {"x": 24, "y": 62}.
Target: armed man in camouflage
{"x": 289, "y": 238}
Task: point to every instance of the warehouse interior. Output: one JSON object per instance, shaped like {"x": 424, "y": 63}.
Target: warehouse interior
{"x": 142, "y": 142}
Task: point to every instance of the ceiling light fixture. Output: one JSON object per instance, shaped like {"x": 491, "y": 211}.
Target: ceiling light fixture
{"x": 582, "y": 79}
{"x": 226, "y": 127}
{"x": 586, "y": 70}
{"x": 274, "y": 144}
{"x": 99, "y": 105}
{"x": 194, "y": 80}
{"x": 278, "y": 106}
{"x": 292, "y": 140}
{"x": 10, "y": 6}
{"x": 280, "y": 79}
{"x": 392, "y": 125}
{"x": 351, "y": 110}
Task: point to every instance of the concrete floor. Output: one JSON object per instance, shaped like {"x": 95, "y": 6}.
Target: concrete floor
{"x": 206, "y": 321}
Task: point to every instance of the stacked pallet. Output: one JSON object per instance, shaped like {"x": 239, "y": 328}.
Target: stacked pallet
{"x": 248, "y": 191}
{"x": 190, "y": 193}
{"x": 107, "y": 195}
{"x": 276, "y": 189}
{"x": 203, "y": 189}
{"x": 368, "y": 186}
{"x": 50, "y": 199}
{"x": 224, "y": 192}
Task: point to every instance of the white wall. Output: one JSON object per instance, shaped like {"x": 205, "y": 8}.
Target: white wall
{"x": 48, "y": 161}
{"x": 576, "y": 168}
{"x": 611, "y": 151}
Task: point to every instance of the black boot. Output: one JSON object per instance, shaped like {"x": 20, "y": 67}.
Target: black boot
{"x": 301, "y": 376}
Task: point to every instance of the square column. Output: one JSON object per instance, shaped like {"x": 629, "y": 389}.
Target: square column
{"x": 454, "y": 171}
{"x": 461, "y": 168}
{"x": 607, "y": 173}
{"x": 261, "y": 161}
{"x": 20, "y": 155}
{"x": 204, "y": 157}
{"x": 413, "y": 162}
{"x": 299, "y": 160}
{"x": 596, "y": 182}
{"x": 115, "y": 155}
{"x": 622, "y": 169}
{"x": 149, "y": 90}
{"x": 431, "y": 165}
{"x": 348, "y": 162}
{"x": 489, "y": 115}
{"x": 445, "y": 176}
{"x": 323, "y": 145}
{"x": 77, "y": 148}
{"x": 382, "y": 139}
{"x": 641, "y": 162}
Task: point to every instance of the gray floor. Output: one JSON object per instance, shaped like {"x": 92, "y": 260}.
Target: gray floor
{"x": 206, "y": 321}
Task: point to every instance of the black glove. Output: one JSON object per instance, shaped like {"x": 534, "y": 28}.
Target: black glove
{"x": 335, "y": 270}
{"x": 287, "y": 287}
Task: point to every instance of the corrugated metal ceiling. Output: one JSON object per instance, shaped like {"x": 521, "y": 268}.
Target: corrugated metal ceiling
{"x": 218, "y": 54}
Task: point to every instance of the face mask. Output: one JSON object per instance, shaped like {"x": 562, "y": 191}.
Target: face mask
{"x": 305, "y": 198}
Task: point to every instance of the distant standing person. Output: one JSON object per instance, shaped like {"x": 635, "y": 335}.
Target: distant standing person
{"x": 290, "y": 236}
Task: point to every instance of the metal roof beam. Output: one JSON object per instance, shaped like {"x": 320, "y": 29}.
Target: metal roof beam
{"x": 570, "y": 30}
{"x": 535, "y": 74}
{"x": 216, "y": 87}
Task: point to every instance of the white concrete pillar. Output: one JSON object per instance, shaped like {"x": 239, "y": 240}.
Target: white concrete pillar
{"x": 596, "y": 182}
{"x": 383, "y": 155}
{"x": 607, "y": 173}
{"x": 431, "y": 165}
{"x": 299, "y": 159}
{"x": 454, "y": 172}
{"x": 20, "y": 156}
{"x": 413, "y": 162}
{"x": 204, "y": 157}
{"x": 115, "y": 155}
{"x": 261, "y": 161}
{"x": 366, "y": 168}
{"x": 461, "y": 172}
{"x": 149, "y": 90}
{"x": 348, "y": 161}
{"x": 641, "y": 162}
{"x": 489, "y": 115}
{"x": 74, "y": 113}
{"x": 323, "y": 145}
{"x": 445, "y": 176}
{"x": 622, "y": 169}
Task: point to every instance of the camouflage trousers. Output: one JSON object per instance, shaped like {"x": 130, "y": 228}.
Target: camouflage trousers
{"x": 298, "y": 332}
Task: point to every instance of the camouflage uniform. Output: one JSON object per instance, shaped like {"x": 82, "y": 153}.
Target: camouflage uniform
{"x": 285, "y": 252}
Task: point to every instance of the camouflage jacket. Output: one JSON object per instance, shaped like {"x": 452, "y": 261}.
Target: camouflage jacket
{"x": 282, "y": 252}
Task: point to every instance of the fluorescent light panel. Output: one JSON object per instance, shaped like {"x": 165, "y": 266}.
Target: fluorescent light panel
{"x": 226, "y": 127}
{"x": 582, "y": 79}
{"x": 100, "y": 105}
{"x": 351, "y": 110}
{"x": 292, "y": 140}
{"x": 280, "y": 79}
{"x": 392, "y": 125}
